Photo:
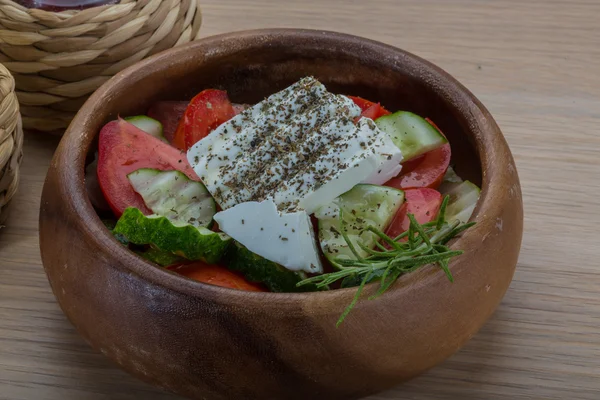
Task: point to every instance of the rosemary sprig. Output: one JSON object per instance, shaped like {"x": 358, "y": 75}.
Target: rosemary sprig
{"x": 425, "y": 244}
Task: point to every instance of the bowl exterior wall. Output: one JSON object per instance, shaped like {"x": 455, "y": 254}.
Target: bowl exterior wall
{"x": 207, "y": 342}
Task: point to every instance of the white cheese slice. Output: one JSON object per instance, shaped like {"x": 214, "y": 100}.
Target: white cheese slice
{"x": 377, "y": 165}
{"x": 280, "y": 160}
{"x": 387, "y": 155}
{"x": 286, "y": 239}
{"x": 299, "y": 147}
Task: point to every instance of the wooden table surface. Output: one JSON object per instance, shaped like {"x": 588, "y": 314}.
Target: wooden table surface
{"x": 536, "y": 66}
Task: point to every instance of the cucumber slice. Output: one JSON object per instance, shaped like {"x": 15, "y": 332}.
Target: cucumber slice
{"x": 191, "y": 242}
{"x": 148, "y": 125}
{"x": 258, "y": 269}
{"x": 412, "y": 134}
{"x": 363, "y": 206}
{"x": 173, "y": 195}
{"x": 157, "y": 256}
{"x": 160, "y": 257}
{"x": 463, "y": 199}
{"x": 110, "y": 225}
{"x": 451, "y": 176}
{"x": 450, "y": 181}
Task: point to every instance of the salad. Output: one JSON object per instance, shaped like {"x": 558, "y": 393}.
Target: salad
{"x": 304, "y": 191}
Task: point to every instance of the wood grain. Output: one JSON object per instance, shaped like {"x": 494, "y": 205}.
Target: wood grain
{"x": 535, "y": 66}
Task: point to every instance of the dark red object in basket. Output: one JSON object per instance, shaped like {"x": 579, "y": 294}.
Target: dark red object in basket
{"x": 62, "y": 5}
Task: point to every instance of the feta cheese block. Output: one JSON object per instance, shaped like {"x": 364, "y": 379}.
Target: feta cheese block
{"x": 299, "y": 148}
{"x": 286, "y": 239}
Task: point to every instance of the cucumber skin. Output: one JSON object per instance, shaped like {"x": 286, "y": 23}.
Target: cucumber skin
{"x": 186, "y": 241}
{"x": 258, "y": 269}
{"x": 157, "y": 256}
{"x": 161, "y": 257}
{"x": 110, "y": 225}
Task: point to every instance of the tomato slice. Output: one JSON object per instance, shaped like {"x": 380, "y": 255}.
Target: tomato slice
{"x": 374, "y": 112}
{"x": 425, "y": 171}
{"x": 217, "y": 275}
{"x": 168, "y": 113}
{"x": 124, "y": 148}
{"x": 369, "y": 109}
{"x": 209, "y": 109}
{"x": 423, "y": 203}
{"x": 410, "y": 165}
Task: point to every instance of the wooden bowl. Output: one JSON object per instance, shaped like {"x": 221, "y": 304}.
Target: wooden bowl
{"x": 208, "y": 342}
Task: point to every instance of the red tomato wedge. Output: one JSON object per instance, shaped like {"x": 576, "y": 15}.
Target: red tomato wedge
{"x": 168, "y": 113}
{"x": 423, "y": 203}
{"x": 362, "y": 103}
{"x": 209, "y": 109}
{"x": 217, "y": 275}
{"x": 410, "y": 165}
{"x": 425, "y": 171}
{"x": 124, "y": 148}
{"x": 374, "y": 112}
{"x": 369, "y": 109}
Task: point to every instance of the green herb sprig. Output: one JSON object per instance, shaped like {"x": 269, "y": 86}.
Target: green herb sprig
{"x": 425, "y": 244}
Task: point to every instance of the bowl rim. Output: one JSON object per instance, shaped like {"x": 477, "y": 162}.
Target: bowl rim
{"x": 79, "y": 136}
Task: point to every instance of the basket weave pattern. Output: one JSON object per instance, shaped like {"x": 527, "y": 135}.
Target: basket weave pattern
{"x": 59, "y": 58}
{"x": 11, "y": 140}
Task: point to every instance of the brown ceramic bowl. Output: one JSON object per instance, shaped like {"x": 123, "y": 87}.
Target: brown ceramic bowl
{"x": 208, "y": 342}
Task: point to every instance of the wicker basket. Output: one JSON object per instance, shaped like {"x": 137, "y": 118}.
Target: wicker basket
{"x": 11, "y": 141}
{"x": 59, "y": 58}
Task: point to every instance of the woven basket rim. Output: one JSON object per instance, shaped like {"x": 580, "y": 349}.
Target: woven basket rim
{"x": 59, "y": 58}
{"x": 11, "y": 140}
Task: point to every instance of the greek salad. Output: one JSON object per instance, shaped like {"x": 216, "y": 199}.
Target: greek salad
{"x": 306, "y": 190}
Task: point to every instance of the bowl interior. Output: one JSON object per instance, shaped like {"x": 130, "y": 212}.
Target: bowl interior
{"x": 250, "y": 70}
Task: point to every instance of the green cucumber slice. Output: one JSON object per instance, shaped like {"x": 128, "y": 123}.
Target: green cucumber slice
{"x": 463, "y": 199}
{"x": 173, "y": 195}
{"x": 412, "y": 134}
{"x": 191, "y": 242}
{"x": 110, "y": 225}
{"x": 258, "y": 269}
{"x": 157, "y": 256}
{"x": 450, "y": 181}
{"x": 148, "y": 125}
{"x": 362, "y": 206}
{"x": 160, "y": 257}
{"x": 451, "y": 176}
